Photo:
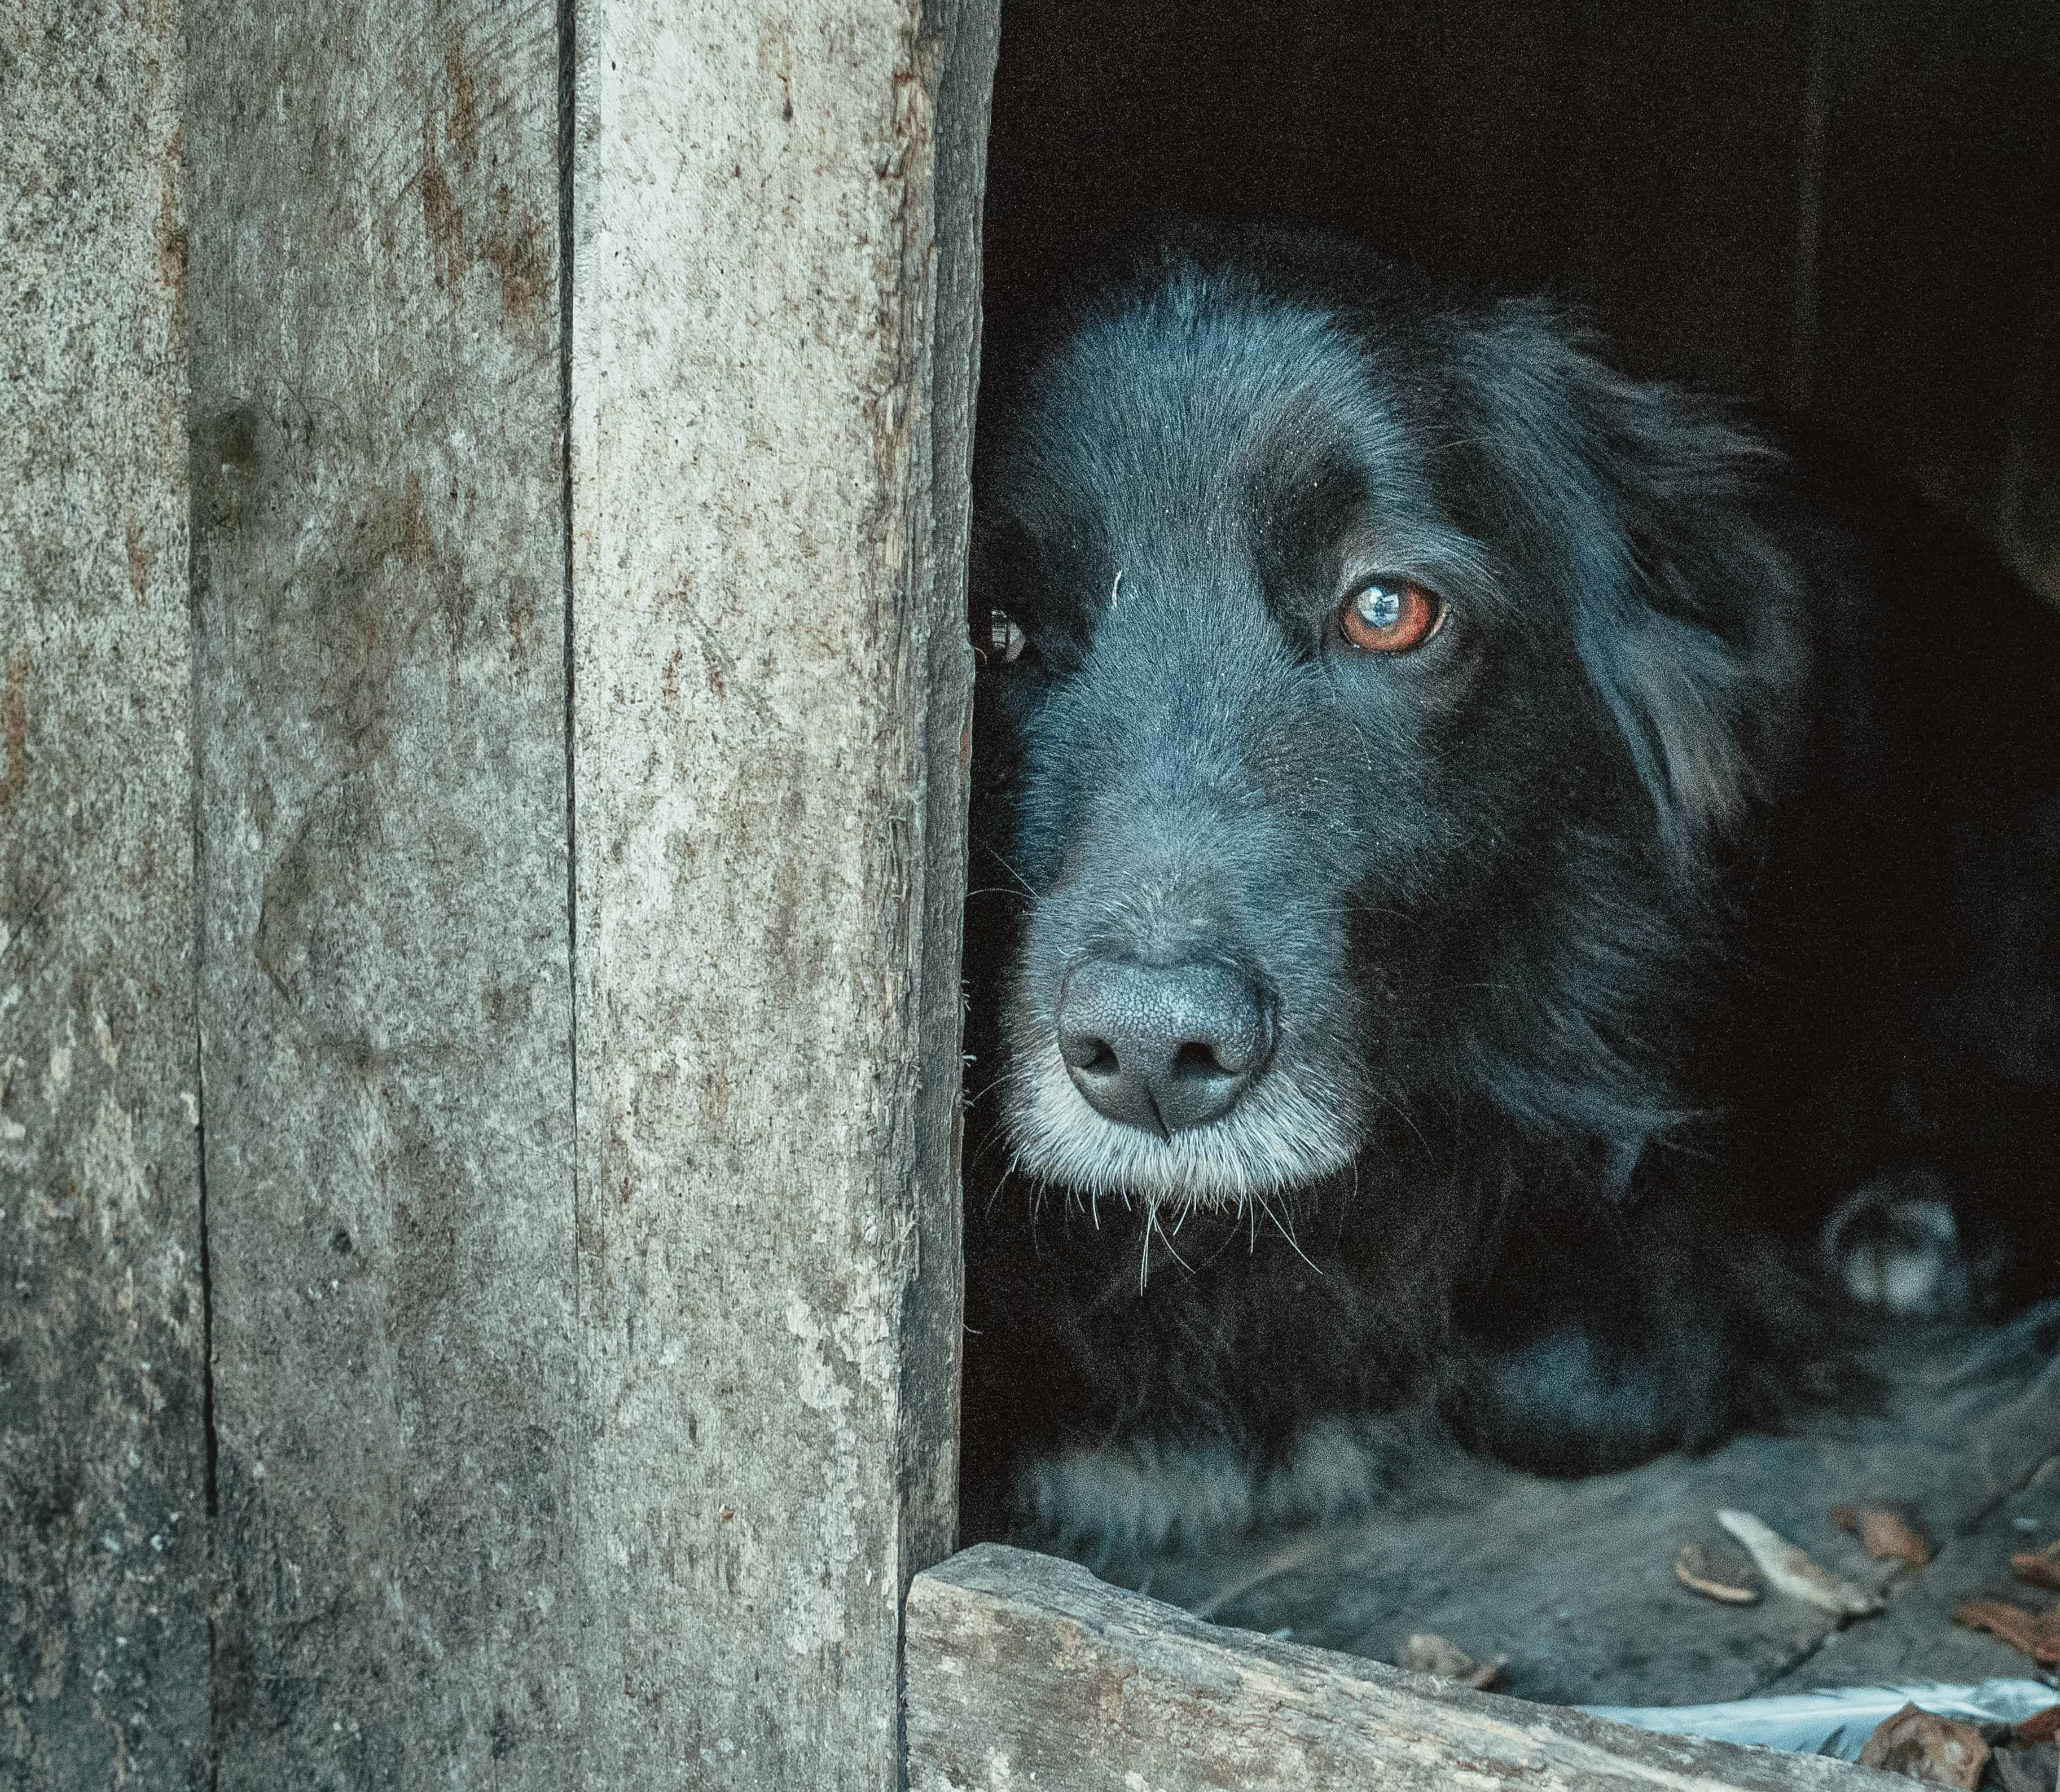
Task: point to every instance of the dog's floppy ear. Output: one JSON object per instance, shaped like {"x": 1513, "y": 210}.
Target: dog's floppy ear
{"x": 1655, "y": 512}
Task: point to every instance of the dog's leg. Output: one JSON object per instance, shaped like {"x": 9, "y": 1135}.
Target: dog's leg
{"x": 1603, "y": 1341}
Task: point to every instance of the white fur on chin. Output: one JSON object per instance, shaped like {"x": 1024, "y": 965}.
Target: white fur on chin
{"x": 1282, "y": 1135}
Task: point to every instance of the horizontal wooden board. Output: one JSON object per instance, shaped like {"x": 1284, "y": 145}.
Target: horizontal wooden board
{"x": 1025, "y": 1671}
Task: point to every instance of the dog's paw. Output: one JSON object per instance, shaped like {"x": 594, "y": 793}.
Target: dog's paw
{"x": 1894, "y": 1245}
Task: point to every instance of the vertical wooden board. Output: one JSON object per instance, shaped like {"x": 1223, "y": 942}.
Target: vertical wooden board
{"x": 385, "y": 989}
{"x": 932, "y": 1349}
{"x": 767, "y": 730}
{"x": 103, "y": 1529}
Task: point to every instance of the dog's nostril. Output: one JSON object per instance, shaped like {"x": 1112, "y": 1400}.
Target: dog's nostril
{"x": 1084, "y": 1052}
{"x": 1162, "y": 1047}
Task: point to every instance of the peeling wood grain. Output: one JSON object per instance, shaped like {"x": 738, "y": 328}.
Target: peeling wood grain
{"x": 103, "y": 1528}
{"x": 386, "y": 984}
{"x": 1023, "y": 1670}
{"x": 769, "y": 696}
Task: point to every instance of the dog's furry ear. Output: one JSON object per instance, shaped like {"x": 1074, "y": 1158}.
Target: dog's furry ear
{"x": 1659, "y": 511}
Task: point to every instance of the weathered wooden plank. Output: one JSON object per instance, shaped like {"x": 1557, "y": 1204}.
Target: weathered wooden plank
{"x": 769, "y": 687}
{"x": 930, "y": 1353}
{"x": 1024, "y": 1669}
{"x": 103, "y": 1529}
{"x": 385, "y": 987}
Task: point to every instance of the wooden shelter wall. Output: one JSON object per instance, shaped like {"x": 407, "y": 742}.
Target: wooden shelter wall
{"x": 481, "y": 914}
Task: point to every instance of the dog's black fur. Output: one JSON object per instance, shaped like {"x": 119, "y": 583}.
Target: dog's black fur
{"x": 1701, "y": 869}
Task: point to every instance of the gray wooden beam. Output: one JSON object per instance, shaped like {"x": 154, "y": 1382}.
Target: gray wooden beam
{"x": 386, "y": 985}
{"x": 103, "y": 1527}
{"x": 933, "y": 1349}
{"x": 769, "y": 690}
{"x": 1026, "y": 1670}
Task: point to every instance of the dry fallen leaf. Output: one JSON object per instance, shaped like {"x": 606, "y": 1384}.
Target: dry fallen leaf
{"x": 1884, "y": 1532}
{"x": 2037, "y": 1634}
{"x": 2040, "y": 1726}
{"x": 2040, "y": 1568}
{"x": 1921, "y": 1745}
{"x": 1792, "y": 1572}
{"x": 1723, "y": 1579}
{"x": 1426, "y": 1653}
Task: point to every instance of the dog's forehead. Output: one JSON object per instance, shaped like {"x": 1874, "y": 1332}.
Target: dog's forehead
{"x": 1186, "y": 404}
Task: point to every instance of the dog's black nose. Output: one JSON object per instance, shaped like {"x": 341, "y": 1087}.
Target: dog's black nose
{"x": 1162, "y": 1046}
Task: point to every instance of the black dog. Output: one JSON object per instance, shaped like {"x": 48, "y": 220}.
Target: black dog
{"x": 1475, "y": 870}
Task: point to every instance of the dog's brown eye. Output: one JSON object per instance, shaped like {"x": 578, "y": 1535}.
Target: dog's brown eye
{"x": 1001, "y": 639}
{"x": 1390, "y": 616}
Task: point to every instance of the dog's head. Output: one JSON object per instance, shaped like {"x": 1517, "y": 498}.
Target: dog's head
{"x": 1366, "y": 681}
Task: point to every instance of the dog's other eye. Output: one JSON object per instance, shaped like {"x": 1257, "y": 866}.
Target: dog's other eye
{"x": 1390, "y": 616}
{"x": 1000, "y": 638}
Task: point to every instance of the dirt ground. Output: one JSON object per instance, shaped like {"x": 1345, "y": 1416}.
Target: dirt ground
{"x": 1573, "y": 1581}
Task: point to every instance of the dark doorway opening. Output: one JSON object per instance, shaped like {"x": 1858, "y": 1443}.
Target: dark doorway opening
{"x": 1850, "y": 208}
